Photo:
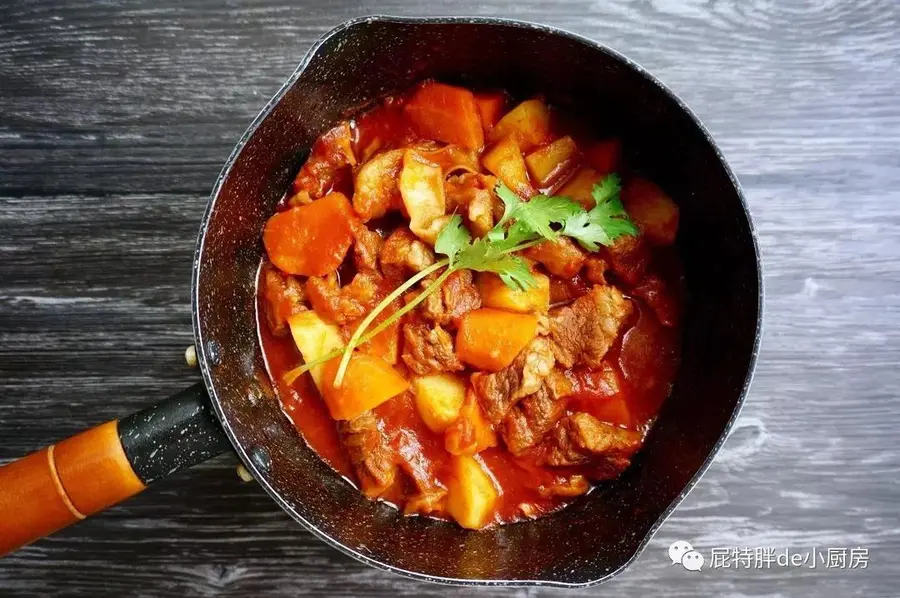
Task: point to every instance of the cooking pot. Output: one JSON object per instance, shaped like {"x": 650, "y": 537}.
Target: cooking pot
{"x": 236, "y": 408}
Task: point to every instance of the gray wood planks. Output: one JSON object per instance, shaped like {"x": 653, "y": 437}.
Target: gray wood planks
{"x": 115, "y": 119}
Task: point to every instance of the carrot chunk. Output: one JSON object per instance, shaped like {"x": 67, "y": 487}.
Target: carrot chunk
{"x": 310, "y": 240}
{"x": 368, "y": 383}
{"x": 446, "y": 113}
{"x": 490, "y": 339}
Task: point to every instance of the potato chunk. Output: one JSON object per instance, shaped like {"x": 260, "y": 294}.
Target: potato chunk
{"x": 472, "y": 496}
{"x": 580, "y": 186}
{"x": 548, "y": 162}
{"x": 315, "y": 338}
{"x": 506, "y": 162}
{"x": 422, "y": 190}
{"x": 439, "y": 397}
{"x": 495, "y": 293}
{"x": 652, "y": 210}
{"x": 528, "y": 124}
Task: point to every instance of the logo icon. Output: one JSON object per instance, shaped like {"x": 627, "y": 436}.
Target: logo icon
{"x": 682, "y": 553}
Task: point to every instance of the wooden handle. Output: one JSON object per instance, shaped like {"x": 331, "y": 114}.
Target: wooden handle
{"x": 63, "y": 484}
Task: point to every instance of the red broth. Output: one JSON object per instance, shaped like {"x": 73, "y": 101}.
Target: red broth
{"x": 626, "y": 391}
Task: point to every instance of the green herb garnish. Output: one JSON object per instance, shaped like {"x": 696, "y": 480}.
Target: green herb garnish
{"x": 606, "y": 221}
{"x": 523, "y": 225}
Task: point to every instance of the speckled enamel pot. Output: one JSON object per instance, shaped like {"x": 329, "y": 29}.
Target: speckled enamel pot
{"x": 601, "y": 533}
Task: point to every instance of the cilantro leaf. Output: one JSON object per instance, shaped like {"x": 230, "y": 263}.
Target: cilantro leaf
{"x": 510, "y": 200}
{"x": 606, "y": 222}
{"x": 535, "y": 215}
{"x": 542, "y": 211}
{"x": 485, "y": 256}
{"x": 608, "y": 188}
{"x": 453, "y": 238}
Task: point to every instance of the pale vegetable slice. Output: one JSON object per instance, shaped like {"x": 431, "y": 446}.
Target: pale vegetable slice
{"x": 375, "y": 189}
{"x": 314, "y": 338}
{"x": 439, "y": 397}
{"x": 506, "y": 162}
{"x": 495, "y": 293}
{"x": 548, "y": 162}
{"x": 472, "y": 495}
{"x": 422, "y": 190}
{"x": 528, "y": 123}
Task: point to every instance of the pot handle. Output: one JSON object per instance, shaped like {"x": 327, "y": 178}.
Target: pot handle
{"x": 93, "y": 470}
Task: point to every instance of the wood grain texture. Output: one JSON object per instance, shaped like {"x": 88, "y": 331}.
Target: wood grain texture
{"x": 115, "y": 119}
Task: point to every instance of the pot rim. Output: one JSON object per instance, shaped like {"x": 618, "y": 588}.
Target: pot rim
{"x": 205, "y": 366}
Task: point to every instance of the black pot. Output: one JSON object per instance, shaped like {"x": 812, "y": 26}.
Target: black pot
{"x": 600, "y": 533}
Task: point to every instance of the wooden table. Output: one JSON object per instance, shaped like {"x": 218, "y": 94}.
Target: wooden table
{"x": 115, "y": 119}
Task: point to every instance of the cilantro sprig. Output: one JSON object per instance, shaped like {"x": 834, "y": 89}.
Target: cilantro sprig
{"x": 523, "y": 225}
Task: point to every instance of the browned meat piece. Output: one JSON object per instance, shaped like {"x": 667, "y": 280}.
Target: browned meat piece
{"x": 628, "y": 258}
{"x": 582, "y": 438}
{"x": 367, "y": 244}
{"x": 284, "y": 297}
{"x": 375, "y": 188}
{"x": 369, "y": 452}
{"x": 531, "y": 419}
{"x": 332, "y": 153}
{"x": 583, "y": 331}
{"x": 402, "y": 253}
{"x": 421, "y": 470}
{"x": 428, "y": 349}
{"x": 595, "y": 269}
{"x": 344, "y": 304}
{"x": 562, "y": 258}
{"x": 456, "y": 297}
{"x": 497, "y": 391}
{"x": 472, "y": 194}
{"x": 501, "y": 390}
{"x": 573, "y": 485}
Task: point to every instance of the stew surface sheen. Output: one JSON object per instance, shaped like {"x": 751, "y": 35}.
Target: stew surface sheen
{"x": 485, "y": 404}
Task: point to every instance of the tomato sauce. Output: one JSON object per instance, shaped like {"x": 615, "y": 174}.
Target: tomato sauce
{"x": 626, "y": 391}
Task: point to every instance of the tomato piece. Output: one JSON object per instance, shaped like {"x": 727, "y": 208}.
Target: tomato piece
{"x": 563, "y": 290}
{"x": 310, "y": 240}
{"x": 648, "y": 360}
{"x": 604, "y": 156}
{"x": 599, "y": 392}
{"x": 446, "y": 113}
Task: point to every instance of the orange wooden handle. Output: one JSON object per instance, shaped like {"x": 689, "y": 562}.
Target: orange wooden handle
{"x": 63, "y": 484}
